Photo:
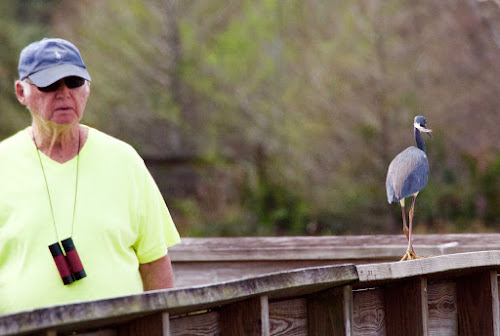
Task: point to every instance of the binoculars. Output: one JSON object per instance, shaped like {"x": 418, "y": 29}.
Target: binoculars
{"x": 69, "y": 265}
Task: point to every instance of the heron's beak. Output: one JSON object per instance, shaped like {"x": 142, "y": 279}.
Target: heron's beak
{"x": 423, "y": 129}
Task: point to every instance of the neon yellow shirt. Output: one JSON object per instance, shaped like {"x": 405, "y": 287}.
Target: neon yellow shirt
{"x": 121, "y": 220}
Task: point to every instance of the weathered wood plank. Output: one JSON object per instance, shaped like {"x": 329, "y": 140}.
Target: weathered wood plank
{"x": 375, "y": 273}
{"x": 381, "y": 247}
{"x": 443, "y": 315}
{"x": 245, "y": 318}
{"x": 152, "y": 325}
{"x": 102, "y": 332}
{"x": 199, "y": 261}
{"x": 477, "y": 304}
{"x": 330, "y": 312}
{"x": 204, "y": 324}
{"x": 204, "y": 273}
{"x": 495, "y": 297}
{"x": 264, "y": 315}
{"x": 369, "y": 312}
{"x": 181, "y": 300}
{"x": 288, "y": 317}
{"x": 406, "y": 308}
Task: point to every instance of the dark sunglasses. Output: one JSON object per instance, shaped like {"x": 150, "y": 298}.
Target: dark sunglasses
{"x": 72, "y": 82}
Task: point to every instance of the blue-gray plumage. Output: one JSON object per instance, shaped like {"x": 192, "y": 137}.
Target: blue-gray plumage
{"x": 407, "y": 175}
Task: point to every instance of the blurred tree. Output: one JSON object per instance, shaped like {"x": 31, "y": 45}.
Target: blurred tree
{"x": 21, "y": 23}
{"x": 280, "y": 117}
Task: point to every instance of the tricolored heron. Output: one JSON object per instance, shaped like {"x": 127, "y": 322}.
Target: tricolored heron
{"x": 407, "y": 176}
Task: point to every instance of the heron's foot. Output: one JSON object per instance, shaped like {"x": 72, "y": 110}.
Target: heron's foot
{"x": 410, "y": 255}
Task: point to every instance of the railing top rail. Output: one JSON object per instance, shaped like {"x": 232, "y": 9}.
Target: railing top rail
{"x": 180, "y": 300}
{"x": 382, "y": 247}
{"x": 431, "y": 266}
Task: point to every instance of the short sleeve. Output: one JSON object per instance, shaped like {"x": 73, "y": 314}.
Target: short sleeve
{"x": 156, "y": 229}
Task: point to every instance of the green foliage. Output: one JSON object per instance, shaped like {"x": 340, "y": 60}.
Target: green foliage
{"x": 325, "y": 90}
{"x": 21, "y": 23}
{"x": 489, "y": 187}
{"x": 278, "y": 209}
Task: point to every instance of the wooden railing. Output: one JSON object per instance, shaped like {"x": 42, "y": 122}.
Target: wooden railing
{"x": 455, "y": 294}
{"x": 200, "y": 261}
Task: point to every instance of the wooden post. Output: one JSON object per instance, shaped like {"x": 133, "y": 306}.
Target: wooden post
{"x": 406, "y": 308}
{"x": 368, "y": 312}
{"x": 330, "y": 312}
{"x": 152, "y": 325}
{"x": 288, "y": 316}
{"x": 443, "y": 313}
{"x": 245, "y": 318}
{"x": 478, "y": 306}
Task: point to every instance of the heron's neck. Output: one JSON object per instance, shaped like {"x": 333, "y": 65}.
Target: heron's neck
{"x": 419, "y": 140}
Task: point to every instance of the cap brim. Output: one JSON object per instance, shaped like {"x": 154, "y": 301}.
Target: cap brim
{"x": 51, "y": 75}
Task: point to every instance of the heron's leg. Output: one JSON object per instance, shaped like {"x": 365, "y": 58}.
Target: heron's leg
{"x": 405, "y": 227}
{"x": 403, "y": 213}
{"x": 410, "y": 216}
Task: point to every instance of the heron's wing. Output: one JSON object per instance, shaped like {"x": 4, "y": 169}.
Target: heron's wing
{"x": 407, "y": 174}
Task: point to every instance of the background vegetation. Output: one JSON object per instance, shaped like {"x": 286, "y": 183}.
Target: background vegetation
{"x": 274, "y": 117}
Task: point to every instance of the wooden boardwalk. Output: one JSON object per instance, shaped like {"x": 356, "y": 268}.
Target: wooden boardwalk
{"x": 452, "y": 294}
{"x": 200, "y": 261}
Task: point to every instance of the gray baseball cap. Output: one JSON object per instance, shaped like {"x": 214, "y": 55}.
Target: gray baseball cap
{"x": 48, "y": 60}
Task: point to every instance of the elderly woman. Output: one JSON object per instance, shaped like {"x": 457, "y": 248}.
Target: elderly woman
{"x": 66, "y": 186}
